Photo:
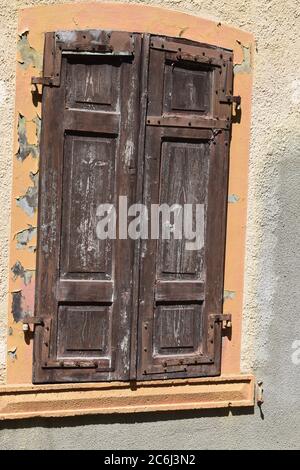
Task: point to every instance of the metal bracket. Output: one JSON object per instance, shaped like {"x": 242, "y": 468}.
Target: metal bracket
{"x": 48, "y": 81}
{"x": 234, "y": 99}
{"x": 196, "y": 58}
{"x": 27, "y": 321}
{"x": 225, "y": 319}
{"x": 259, "y": 393}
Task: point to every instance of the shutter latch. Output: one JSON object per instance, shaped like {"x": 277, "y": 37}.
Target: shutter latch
{"x": 234, "y": 99}
{"x": 27, "y": 321}
{"x": 225, "y": 319}
{"x": 45, "y": 81}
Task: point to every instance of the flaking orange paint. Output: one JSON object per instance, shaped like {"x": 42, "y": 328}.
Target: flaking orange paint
{"x": 139, "y": 18}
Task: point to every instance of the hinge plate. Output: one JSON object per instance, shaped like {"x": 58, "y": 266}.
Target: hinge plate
{"x": 225, "y": 319}
{"x": 27, "y": 321}
{"x": 45, "y": 81}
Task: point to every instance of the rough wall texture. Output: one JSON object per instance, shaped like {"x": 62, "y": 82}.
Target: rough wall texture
{"x": 271, "y": 313}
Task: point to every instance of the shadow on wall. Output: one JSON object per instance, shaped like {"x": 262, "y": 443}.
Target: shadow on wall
{"x": 285, "y": 333}
{"x": 125, "y": 418}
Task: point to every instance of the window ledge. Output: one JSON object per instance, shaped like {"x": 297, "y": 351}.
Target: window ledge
{"x": 27, "y": 401}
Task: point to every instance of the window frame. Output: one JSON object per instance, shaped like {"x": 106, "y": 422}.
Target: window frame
{"x": 128, "y": 17}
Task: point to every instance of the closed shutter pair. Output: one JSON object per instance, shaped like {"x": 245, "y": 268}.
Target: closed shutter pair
{"x": 145, "y": 117}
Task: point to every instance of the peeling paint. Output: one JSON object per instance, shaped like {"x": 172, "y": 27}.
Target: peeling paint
{"x": 19, "y": 271}
{"x": 38, "y": 122}
{"x": 24, "y": 237}
{"x": 29, "y": 56}
{"x": 245, "y": 65}
{"x": 16, "y": 308}
{"x": 233, "y": 198}
{"x": 26, "y": 149}
{"x": 229, "y": 295}
{"x": 12, "y": 353}
{"x": 29, "y": 201}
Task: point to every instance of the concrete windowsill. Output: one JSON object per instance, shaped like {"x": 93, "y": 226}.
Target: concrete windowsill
{"x": 27, "y": 401}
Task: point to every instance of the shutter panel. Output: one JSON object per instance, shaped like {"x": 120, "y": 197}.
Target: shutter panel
{"x": 88, "y": 148}
{"x": 112, "y": 309}
{"x": 186, "y": 162}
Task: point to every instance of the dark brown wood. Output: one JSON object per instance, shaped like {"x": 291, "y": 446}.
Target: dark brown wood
{"x": 88, "y": 150}
{"x": 186, "y": 161}
{"x": 139, "y": 199}
{"x": 92, "y": 121}
{"x": 186, "y": 121}
{"x": 172, "y": 291}
{"x": 85, "y": 291}
{"x": 145, "y": 117}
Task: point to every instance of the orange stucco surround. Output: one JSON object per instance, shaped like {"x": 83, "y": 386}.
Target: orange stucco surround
{"x": 19, "y": 398}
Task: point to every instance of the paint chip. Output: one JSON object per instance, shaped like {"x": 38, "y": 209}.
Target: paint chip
{"x": 16, "y": 308}
{"x": 28, "y": 55}
{"x": 24, "y": 237}
{"x": 19, "y": 271}
{"x": 29, "y": 201}
{"x": 233, "y": 198}
{"x": 12, "y": 354}
{"x": 26, "y": 149}
{"x": 245, "y": 65}
{"x": 229, "y": 295}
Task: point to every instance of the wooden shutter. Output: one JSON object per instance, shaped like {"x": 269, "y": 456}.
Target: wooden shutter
{"x": 89, "y": 138}
{"x": 186, "y": 162}
{"x": 145, "y": 117}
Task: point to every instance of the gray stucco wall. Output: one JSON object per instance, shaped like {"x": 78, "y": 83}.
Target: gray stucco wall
{"x": 271, "y": 324}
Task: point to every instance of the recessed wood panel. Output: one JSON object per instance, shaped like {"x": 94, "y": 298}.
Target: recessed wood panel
{"x": 84, "y": 331}
{"x": 89, "y": 172}
{"x": 184, "y": 175}
{"x": 92, "y": 82}
{"x": 187, "y": 88}
{"x": 177, "y": 329}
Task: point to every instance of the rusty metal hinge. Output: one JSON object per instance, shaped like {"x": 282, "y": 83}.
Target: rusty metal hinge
{"x": 45, "y": 81}
{"x": 27, "y": 321}
{"x": 225, "y": 319}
